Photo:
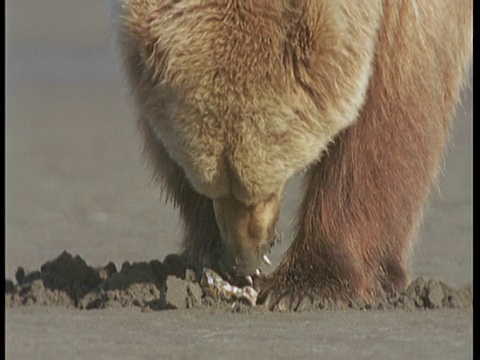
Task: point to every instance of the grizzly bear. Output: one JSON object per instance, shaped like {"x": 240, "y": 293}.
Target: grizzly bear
{"x": 234, "y": 97}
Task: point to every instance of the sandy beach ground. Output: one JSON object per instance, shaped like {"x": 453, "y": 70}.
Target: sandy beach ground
{"x": 76, "y": 181}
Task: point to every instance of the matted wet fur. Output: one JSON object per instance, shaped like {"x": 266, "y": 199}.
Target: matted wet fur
{"x": 234, "y": 97}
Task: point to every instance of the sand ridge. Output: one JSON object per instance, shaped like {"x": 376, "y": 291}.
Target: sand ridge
{"x": 68, "y": 281}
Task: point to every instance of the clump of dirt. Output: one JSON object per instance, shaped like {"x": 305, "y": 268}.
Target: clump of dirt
{"x": 69, "y": 282}
{"x": 419, "y": 295}
{"x": 59, "y": 282}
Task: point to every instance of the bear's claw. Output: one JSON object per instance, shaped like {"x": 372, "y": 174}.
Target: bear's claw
{"x": 284, "y": 301}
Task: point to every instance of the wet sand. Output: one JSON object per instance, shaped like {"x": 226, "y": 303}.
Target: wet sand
{"x": 75, "y": 181}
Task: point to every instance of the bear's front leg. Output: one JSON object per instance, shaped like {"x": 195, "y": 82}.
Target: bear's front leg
{"x": 312, "y": 271}
{"x": 354, "y": 230}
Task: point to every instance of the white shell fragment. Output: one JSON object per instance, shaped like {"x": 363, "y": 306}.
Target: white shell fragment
{"x": 221, "y": 289}
{"x": 266, "y": 260}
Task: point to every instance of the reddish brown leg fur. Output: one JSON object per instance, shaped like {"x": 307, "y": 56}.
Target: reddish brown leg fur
{"x": 360, "y": 211}
{"x": 363, "y": 200}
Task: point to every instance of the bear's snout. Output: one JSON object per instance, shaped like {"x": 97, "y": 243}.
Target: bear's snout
{"x": 247, "y": 231}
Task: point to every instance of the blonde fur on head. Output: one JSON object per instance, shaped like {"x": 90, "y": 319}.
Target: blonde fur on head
{"x": 235, "y": 96}
{"x": 232, "y": 84}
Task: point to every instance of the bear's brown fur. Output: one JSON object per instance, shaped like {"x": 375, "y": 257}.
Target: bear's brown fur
{"x": 235, "y": 96}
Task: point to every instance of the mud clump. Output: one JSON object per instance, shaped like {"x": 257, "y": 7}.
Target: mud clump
{"x": 68, "y": 281}
{"x": 419, "y": 295}
{"x": 60, "y": 282}
{"x": 137, "y": 284}
{"x": 180, "y": 294}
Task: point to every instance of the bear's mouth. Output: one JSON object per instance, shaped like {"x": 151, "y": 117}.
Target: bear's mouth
{"x": 229, "y": 266}
{"x": 247, "y": 234}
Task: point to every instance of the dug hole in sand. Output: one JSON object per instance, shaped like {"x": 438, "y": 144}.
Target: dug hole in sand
{"x": 68, "y": 281}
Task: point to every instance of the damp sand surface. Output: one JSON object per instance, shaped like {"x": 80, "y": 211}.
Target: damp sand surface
{"x": 46, "y": 332}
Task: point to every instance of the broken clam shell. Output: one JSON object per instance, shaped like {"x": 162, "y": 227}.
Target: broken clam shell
{"x": 220, "y": 289}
